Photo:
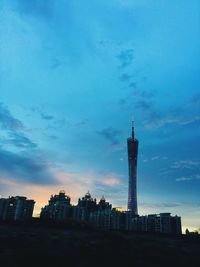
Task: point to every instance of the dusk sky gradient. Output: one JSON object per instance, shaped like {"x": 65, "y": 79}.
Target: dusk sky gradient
{"x": 72, "y": 74}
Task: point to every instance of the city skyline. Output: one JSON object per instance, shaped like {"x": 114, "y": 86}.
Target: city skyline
{"x": 71, "y": 76}
{"x": 89, "y": 213}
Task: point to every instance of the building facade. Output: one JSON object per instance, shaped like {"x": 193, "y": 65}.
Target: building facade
{"x": 16, "y": 209}
{"x": 59, "y": 208}
{"x": 163, "y": 223}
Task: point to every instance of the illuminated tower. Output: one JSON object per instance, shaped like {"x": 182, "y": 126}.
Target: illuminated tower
{"x": 132, "y": 145}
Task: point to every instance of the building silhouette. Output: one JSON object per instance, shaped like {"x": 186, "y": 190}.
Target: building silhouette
{"x": 16, "y": 208}
{"x": 101, "y": 215}
{"x": 163, "y": 223}
{"x": 132, "y": 145}
{"x": 85, "y": 206}
{"x": 59, "y": 208}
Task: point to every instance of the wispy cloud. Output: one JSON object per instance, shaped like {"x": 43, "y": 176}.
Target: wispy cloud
{"x": 160, "y": 205}
{"x": 43, "y": 114}
{"x": 173, "y": 116}
{"x": 31, "y": 169}
{"x": 143, "y": 105}
{"x": 8, "y": 121}
{"x": 155, "y": 158}
{"x": 46, "y": 116}
{"x": 56, "y": 63}
{"x": 195, "y": 100}
{"x": 185, "y": 164}
{"x": 139, "y": 99}
{"x": 145, "y": 94}
{"x": 20, "y": 140}
{"x": 15, "y": 130}
{"x": 188, "y": 121}
{"x": 159, "y": 121}
{"x": 110, "y": 181}
{"x": 126, "y": 57}
{"x": 188, "y": 178}
{"x": 125, "y": 77}
{"x": 133, "y": 85}
{"x": 38, "y": 8}
{"x": 111, "y": 135}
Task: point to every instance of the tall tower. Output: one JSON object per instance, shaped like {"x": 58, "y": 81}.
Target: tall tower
{"x": 132, "y": 145}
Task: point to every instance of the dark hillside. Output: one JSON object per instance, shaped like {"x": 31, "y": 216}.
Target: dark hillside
{"x": 40, "y": 246}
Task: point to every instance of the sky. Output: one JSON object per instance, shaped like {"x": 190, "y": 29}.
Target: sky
{"x": 72, "y": 75}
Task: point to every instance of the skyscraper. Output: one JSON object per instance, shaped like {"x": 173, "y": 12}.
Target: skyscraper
{"x": 132, "y": 145}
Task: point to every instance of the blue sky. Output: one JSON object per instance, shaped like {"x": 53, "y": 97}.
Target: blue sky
{"x": 72, "y": 74}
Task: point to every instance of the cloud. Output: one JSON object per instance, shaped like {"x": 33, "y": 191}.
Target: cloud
{"x": 124, "y": 104}
{"x": 160, "y": 205}
{"x": 125, "y": 77}
{"x": 173, "y": 117}
{"x": 42, "y": 113}
{"x": 156, "y": 121}
{"x": 133, "y": 85}
{"x": 143, "y": 105}
{"x": 188, "y": 178}
{"x": 41, "y": 8}
{"x": 56, "y": 63}
{"x": 164, "y": 121}
{"x": 132, "y": 4}
{"x": 126, "y": 57}
{"x": 7, "y": 121}
{"x": 20, "y": 140}
{"x": 54, "y": 137}
{"x": 141, "y": 100}
{"x": 154, "y": 158}
{"x": 189, "y": 120}
{"x": 14, "y": 129}
{"x": 46, "y": 116}
{"x": 185, "y": 164}
{"x": 178, "y": 116}
{"x": 110, "y": 134}
{"x": 81, "y": 123}
{"x": 31, "y": 170}
{"x": 180, "y": 179}
{"x": 195, "y": 100}
{"x": 143, "y": 94}
{"x": 110, "y": 181}
{"x": 146, "y": 94}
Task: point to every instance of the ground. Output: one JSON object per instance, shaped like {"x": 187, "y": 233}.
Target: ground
{"x": 37, "y": 246}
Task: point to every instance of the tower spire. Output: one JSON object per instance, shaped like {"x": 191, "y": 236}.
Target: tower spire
{"x": 133, "y": 128}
